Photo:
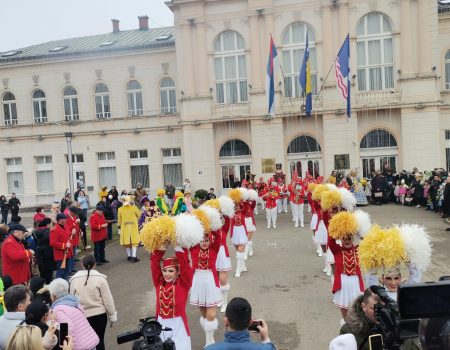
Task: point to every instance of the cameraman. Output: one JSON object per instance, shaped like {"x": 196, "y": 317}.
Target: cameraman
{"x": 238, "y": 318}
{"x": 361, "y": 318}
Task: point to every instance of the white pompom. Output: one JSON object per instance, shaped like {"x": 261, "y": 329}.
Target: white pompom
{"x": 348, "y": 199}
{"x": 252, "y": 195}
{"x": 226, "y": 206}
{"x": 364, "y": 222}
{"x": 244, "y": 193}
{"x": 213, "y": 215}
{"x": 331, "y": 187}
{"x": 189, "y": 230}
{"x": 417, "y": 244}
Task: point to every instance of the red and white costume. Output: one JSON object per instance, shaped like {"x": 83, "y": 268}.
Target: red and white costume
{"x": 348, "y": 282}
{"x": 296, "y": 198}
{"x": 314, "y": 218}
{"x": 261, "y": 188}
{"x": 321, "y": 236}
{"x": 171, "y": 297}
{"x": 238, "y": 229}
{"x": 271, "y": 198}
{"x": 205, "y": 285}
{"x": 223, "y": 262}
{"x": 283, "y": 197}
{"x": 250, "y": 224}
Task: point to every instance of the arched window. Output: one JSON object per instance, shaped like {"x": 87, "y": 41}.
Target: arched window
{"x": 378, "y": 138}
{"x": 71, "y": 104}
{"x": 134, "y": 97}
{"x": 375, "y": 52}
{"x": 9, "y": 109}
{"x": 230, "y": 69}
{"x": 234, "y": 148}
{"x": 303, "y": 144}
{"x": 294, "y": 43}
{"x": 447, "y": 70}
{"x": 168, "y": 96}
{"x": 39, "y": 107}
{"x": 102, "y": 106}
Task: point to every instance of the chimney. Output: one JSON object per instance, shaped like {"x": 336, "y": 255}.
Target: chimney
{"x": 115, "y": 23}
{"x": 143, "y": 22}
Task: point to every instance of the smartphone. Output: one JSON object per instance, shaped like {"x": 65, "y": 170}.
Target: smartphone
{"x": 376, "y": 342}
{"x": 254, "y": 326}
{"x": 63, "y": 333}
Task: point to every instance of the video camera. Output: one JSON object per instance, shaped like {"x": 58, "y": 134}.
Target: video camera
{"x": 150, "y": 329}
{"x": 422, "y": 312}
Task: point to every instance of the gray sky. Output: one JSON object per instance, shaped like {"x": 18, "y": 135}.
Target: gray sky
{"x": 29, "y": 22}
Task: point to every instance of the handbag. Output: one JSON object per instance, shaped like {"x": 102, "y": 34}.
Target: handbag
{"x": 378, "y": 194}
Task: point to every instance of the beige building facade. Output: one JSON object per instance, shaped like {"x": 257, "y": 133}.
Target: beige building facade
{"x": 154, "y": 106}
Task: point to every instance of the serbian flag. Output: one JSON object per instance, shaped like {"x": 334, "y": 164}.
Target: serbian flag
{"x": 342, "y": 65}
{"x": 305, "y": 78}
{"x": 270, "y": 80}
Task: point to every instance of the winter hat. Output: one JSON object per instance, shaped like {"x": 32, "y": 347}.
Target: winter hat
{"x": 36, "y": 283}
{"x": 344, "y": 342}
{"x": 44, "y": 222}
{"x": 35, "y": 311}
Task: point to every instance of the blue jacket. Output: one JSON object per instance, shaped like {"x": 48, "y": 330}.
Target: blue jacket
{"x": 239, "y": 341}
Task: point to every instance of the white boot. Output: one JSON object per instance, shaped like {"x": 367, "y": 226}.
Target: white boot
{"x": 224, "y": 290}
{"x": 325, "y": 268}
{"x": 329, "y": 269}
{"x": 319, "y": 250}
{"x": 250, "y": 248}
{"x": 246, "y": 251}
{"x": 244, "y": 266}
{"x": 210, "y": 327}
{"x": 274, "y": 220}
{"x": 268, "y": 222}
{"x": 239, "y": 261}
{"x": 296, "y": 223}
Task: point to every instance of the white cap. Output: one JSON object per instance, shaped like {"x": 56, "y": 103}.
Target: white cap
{"x": 344, "y": 342}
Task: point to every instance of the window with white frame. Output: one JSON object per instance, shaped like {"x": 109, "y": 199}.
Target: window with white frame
{"x": 76, "y": 158}
{"x": 139, "y": 168}
{"x": 230, "y": 69}
{"x": 14, "y": 175}
{"x": 375, "y": 52}
{"x": 106, "y": 169}
{"x": 134, "y": 97}
{"x": 172, "y": 166}
{"x": 39, "y": 107}
{"x": 9, "y": 109}
{"x": 71, "y": 104}
{"x": 44, "y": 174}
{"x": 102, "y": 105}
{"x": 294, "y": 43}
{"x": 447, "y": 70}
{"x": 168, "y": 96}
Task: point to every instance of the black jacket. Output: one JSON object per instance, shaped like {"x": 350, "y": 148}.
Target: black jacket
{"x": 4, "y": 205}
{"x": 44, "y": 252}
{"x": 14, "y": 203}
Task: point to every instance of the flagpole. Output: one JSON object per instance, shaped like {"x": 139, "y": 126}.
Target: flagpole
{"x": 323, "y": 83}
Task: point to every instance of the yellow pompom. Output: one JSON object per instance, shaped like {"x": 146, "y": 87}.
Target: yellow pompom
{"x": 317, "y": 193}
{"x": 201, "y": 215}
{"x": 330, "y": 199}
{"x": 312, "y": 186}
{"x": 382, "y": 249}
{"x": 363, "y": 182}
{"x": 213, "y": 203}
{"x": 342, "y": 225}
{"x": 161, "y": 192}
{"x": 235, "y": 195}
{"x": 157, "y": 232}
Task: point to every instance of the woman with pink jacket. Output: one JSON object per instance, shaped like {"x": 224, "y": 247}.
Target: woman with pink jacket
{"x": 68, "y": 310}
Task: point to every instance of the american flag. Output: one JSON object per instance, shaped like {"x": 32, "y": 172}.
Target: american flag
{"x": 342, "y": 65}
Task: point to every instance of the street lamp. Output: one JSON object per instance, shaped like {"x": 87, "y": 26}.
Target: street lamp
{"x": 68, "y": 136}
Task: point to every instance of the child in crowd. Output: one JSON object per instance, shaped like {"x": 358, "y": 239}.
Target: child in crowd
{"x": 402, "y": 191}
{"x": 426, "y": 194}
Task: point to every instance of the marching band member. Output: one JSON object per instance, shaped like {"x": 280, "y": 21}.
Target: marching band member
{"x": 282, "y": 196}
{"x": 238, "y": 234}
{"x": 172, "y": 278}
{"x": 250, "y": 223}
{"x": 271, "y": 205}
{"x": 296, "y": 198}
{"x": 314, "y": 217}
{"x": 261, "y": 188}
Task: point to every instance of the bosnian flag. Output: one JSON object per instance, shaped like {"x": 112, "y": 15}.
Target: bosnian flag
{"x": 342, "y": 64}
{"x": 270, "y": 80}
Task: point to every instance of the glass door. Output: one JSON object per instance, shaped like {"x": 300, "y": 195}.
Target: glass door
{"x": 368, "y": 166}
{"x": 232, "y": 173}
{"x": 302, "y": 166}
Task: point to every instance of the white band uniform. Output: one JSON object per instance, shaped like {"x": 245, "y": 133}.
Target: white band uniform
{"x": 223, "y": 262}
{"x": 204, "y": 291}
{"x": 178, "y": 332}
{"x": 239, "y": 235}
{"x": 249, "y": 225}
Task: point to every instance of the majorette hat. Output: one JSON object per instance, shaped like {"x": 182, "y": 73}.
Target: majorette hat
{"x": 170, "y": 262}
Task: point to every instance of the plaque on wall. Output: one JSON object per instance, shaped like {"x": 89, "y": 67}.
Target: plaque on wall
{"x": 268, "y": 165}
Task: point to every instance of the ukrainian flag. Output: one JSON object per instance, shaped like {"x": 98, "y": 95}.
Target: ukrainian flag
{"x": 305, "y": 78}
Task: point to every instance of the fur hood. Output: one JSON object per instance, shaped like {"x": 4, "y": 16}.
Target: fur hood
{"x": 357, "y": 321}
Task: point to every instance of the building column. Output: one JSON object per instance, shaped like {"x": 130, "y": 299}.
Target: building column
{"x": 408, "y": 59}
{"x": 202, "y": 71}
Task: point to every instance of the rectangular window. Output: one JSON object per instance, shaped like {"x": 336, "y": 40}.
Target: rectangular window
{"x": 140, "y": 174}
{"x": 15, "y": 182}
{"x": 173, "y": 174}
{"x": 138, "y": 154}
{"x": 106, "y": 156}
{"x": 107, "y": 176}
{"x": 447, "y": 75}
{"x": 10, "y": 113}
{"x": 41, "y": 160}
{"x": 13, "y": 161}
{"x": 447, "y": 134}
{"x": 171, "y": 152}
{"x": 44, "y": 181}
{"x": 341, "y": 161}
{"x": 76, "y": 158}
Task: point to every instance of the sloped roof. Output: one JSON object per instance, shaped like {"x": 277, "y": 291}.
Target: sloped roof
{"x": 127, "y": 40}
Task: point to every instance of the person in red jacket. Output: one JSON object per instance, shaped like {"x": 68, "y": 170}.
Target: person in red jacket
{"x": 15, "y": 258}
{"x": 271, "y": 198}
{"x": 39, "y": 216}
{"x": 282, "y": 196}
{"x": 72, "y": 226}
{"x": 261, "y": 188}
{"x": 62, "y": 245}
{"x": 99, "y": 234}
{"x": 296, "y": 198}
{"x": 172, "y": 278}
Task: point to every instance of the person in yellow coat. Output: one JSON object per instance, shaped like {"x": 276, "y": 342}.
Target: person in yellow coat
{"x": 127, "y": 220}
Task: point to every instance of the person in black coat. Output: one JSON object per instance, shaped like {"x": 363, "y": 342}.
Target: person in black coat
{"x": 4, "y": 207}
{"x": 108, "y": 213}
{"x": 114, "y": 193}
{"x": 14, "y": 204}
{"x": 44, "y": 252}
{"x": 446, "y": 200}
